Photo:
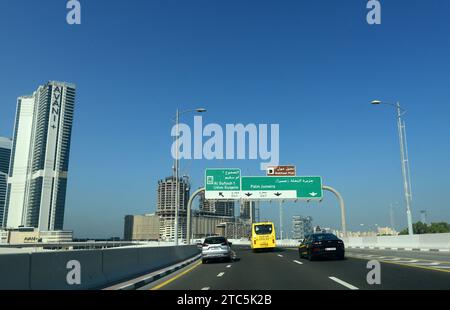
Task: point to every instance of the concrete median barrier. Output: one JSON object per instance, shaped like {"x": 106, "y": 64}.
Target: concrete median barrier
{"x": 85, "y": 269}
{"x": 439, "y": 242}
{"x": 14, "y": 271}
{"x": 49, "y": 270}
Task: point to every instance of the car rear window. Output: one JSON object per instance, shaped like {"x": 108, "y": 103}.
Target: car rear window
{"x": 321, "y": 237}
{"x": 263, "y": 229}
{"x": 215, "y": 240}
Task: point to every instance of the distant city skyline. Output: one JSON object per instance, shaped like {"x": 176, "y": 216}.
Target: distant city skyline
{"x": 312, "y": 70}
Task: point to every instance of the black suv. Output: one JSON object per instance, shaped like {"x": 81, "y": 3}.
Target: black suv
{"x": 322, "y": 245}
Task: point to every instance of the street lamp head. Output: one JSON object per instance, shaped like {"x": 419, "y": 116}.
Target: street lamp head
{"x": 375, "y": 102}
{"x": 200, "y": 110}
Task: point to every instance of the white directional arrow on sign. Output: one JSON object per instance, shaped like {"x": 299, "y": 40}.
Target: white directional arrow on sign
{"x": 313, "y": 194}
{"x": 289, "y": 194}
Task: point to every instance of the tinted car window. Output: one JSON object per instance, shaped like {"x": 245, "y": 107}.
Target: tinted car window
{"x": 263, "y": 229}
{"x": 320, "y": 237}
{"x": 215, "y": 240}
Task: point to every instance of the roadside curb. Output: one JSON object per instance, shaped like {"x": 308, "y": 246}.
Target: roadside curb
{"x": 399, "y": 249}
{"x": 152, "y": 277}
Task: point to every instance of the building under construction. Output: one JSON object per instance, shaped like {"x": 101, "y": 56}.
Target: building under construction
{"x": 165, "y": 207}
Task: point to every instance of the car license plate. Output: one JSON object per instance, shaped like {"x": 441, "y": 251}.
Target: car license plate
{"x": 330, "y": 249}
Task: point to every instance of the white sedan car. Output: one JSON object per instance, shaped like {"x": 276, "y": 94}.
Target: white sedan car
{"x": 215, "y": 248}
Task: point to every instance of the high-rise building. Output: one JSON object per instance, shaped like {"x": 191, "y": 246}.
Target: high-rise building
{"x": 238, "y": 229}
{"x": 204, "y": 225}
{"x": 5, "y": 156}
{"x": 247, "y": 210}
{"x": 141, "y": 227}
{"x": 301, "y": 226}
{"x": 40, "y": 158}
{"x": 216, "y": 207}
{"x": 165, "y": 207}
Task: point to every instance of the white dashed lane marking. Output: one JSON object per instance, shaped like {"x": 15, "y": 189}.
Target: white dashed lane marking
{"x": 296, "y": 261}
{"x": 220, "y": 274}
{"x": 347, "y": 285}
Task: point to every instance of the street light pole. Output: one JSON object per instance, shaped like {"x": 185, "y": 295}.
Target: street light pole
{"x": 404, "y": 158}
{"x": 391, "y": 213}
{"x": 177, "y": 166}
{"x": 405, "y": 166}
{"x": 177, "y": 194}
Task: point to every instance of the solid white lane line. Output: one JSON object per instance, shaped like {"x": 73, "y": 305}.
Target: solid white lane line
{"x": 220, "y": 274}
{"x": 205, "y": 289}
{"x": 296, "y": 261}
{"x": 407, "y": 261}
{"x": 228, "y": 266}
{"x": 427, "y": 264}
{"x": 279, "y": 255}
{"x": 347, "y": 285}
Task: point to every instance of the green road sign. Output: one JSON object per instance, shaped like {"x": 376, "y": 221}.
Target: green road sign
{"x": 304, "y": 188}
{"x": 222, "y": 183}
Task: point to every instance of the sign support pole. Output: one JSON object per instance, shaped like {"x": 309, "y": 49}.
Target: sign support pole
{"x": 281, "y": 220}
{"x": 341, "y": 205}
{"x": 189, "y": 206}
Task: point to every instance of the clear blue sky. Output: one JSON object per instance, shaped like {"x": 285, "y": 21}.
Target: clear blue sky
{"x": 312, "y": 66}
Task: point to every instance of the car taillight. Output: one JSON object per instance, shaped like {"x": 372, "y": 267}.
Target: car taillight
{"x": 273, "y": 240}
{"x": 254, "y": 241}
{"x": 224, "y": 243}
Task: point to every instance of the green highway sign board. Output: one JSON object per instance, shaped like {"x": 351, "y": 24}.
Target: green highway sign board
{"x": 222, "y": 183}
{"x": 227, "y": 183}
{"x": 270, "y": 187}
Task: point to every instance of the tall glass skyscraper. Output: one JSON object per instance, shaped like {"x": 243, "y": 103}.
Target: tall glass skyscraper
{"x": 5, "y": 156}
{"x": 40, "y": 158}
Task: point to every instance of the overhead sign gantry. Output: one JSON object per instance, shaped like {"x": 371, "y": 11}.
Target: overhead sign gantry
{"x": 229, "y": 184}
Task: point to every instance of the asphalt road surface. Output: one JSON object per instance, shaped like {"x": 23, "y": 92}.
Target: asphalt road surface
{"x": 282, "y": 269}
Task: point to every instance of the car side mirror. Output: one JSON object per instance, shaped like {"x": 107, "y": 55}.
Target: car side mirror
{"x": 229, "y": 243}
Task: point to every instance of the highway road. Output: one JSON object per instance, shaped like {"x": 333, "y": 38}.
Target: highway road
{"x": 282, "y": 269}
